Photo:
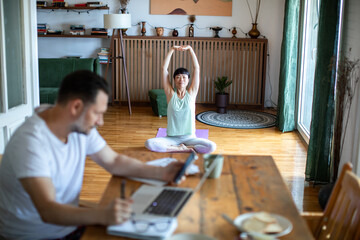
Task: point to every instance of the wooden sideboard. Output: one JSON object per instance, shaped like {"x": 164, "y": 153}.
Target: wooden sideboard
{"x": 242, "y": 60}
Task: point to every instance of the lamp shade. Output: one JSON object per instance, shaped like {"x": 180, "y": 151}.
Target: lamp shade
{"x": 117, "y": 21}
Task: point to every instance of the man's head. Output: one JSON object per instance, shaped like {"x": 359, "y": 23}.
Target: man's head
{"x": 82, "y": 84}
{"x": 181, "y": 78}
{"x": 85, "y": 94}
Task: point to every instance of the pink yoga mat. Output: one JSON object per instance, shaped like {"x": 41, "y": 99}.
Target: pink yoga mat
{"x": 200, "y": 133}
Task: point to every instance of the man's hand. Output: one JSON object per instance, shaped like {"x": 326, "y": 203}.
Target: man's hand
{"x": 170, "y": 171}
{"x": 117, "y": 212}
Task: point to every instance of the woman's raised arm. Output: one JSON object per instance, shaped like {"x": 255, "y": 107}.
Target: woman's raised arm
{"x": 195, "y": 80}
{"x": 166, "y": 84}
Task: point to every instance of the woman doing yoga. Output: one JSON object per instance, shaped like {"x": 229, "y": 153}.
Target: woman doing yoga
{"x": 181, "y": 110}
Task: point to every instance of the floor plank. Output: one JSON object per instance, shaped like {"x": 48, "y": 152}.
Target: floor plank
{"x": 122, "y": 131}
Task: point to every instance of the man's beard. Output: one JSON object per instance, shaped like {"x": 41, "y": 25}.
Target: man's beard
{"x": 78, "y": 129}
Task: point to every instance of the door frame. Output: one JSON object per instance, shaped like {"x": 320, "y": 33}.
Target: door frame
{"x": 12, "y": 118}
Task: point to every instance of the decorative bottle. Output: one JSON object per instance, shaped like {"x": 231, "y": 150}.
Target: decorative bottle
{"x": 191, "y": 30}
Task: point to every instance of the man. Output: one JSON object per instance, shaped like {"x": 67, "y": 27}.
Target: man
{"x": 42, "y": 168}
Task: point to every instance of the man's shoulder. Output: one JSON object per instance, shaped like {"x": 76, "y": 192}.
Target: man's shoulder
{"x": 33, "y": 127}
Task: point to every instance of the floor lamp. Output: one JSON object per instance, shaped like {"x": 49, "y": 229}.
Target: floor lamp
{"x": 117, "y": 22}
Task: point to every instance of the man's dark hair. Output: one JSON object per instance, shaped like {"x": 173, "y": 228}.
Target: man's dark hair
{"x": 81, "y": 84}
{"x": 181, "y": 71}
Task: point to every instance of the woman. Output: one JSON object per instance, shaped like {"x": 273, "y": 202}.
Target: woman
{"x": 181, "y": 110}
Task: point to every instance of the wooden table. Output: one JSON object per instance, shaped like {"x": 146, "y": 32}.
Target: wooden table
{"x": 247, "y": 184}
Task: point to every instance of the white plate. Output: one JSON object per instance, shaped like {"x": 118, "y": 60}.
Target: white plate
{"x": 283, "y": 222}
{"x": 190, "y": 236}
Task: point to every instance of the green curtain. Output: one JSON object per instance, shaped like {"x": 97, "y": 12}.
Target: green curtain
{"x": 318, "y": 164}
{"x": 288, "y": 67}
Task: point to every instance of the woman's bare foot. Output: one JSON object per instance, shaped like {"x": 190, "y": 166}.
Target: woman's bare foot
{"x": 180, "y": 148}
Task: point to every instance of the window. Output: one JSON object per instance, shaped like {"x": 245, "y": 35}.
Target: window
{"x": 307, "y": 66}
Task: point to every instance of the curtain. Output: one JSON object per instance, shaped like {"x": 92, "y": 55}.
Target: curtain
{"x": 288, "y": 67}
{"x": 318, "y": 164}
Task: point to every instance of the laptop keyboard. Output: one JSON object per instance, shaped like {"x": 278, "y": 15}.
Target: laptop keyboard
{"x": 166, "y": 202}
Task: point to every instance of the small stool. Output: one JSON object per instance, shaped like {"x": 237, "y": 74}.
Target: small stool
{"x": 158, "y": 102}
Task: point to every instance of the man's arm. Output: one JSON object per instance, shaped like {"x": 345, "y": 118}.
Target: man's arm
{"x": 122, "y": 165}
{"x": 42, "y": 193}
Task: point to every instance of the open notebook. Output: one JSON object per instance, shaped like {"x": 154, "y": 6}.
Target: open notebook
{"x": 129, "y": 230}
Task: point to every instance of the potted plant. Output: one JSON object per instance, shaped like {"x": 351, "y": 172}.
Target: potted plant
{"x": 221, "y": 97}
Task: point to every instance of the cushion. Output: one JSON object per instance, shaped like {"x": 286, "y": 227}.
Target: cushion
{"x": 158, "y": 102}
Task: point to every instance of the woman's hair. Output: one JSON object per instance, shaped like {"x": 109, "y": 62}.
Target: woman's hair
{"x": 181, "y": 71}
{"x": 82, "y": 84}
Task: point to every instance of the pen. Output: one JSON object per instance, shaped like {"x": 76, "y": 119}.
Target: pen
{"x": 122, "y": 189}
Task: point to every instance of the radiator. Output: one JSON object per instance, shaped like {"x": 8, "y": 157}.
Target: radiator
{"x": 242, "y": 60}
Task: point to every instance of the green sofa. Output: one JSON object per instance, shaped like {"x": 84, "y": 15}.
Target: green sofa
{"x": 53, "y": 70}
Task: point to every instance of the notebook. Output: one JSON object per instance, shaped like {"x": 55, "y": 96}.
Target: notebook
{"x": 127, "y": 229}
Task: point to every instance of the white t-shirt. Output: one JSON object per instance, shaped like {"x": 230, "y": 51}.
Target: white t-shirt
{"x": 34, "y": 151}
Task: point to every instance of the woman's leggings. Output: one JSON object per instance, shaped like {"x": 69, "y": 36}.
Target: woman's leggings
{"x": 162, "y": 144}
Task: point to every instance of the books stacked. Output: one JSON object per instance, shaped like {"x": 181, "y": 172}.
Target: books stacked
{"x": 41, "y": 3}
{"x": 103, "y": 55}
{"x": 99, "y": 31}
{"x": 59, "y": 3}
{"x": 54, "y": 32}
{"x": 80, "y": 5}
{"x": 95, "y": 4}
{"x": 41, "y": 29}
{"x": 77, "y": 29}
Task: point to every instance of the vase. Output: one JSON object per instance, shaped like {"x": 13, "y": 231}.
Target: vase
{"x": 175, "y": 33}
{"x": 143, "y": 29}
{"x": 254, "y": 32}
{"x": 159, "y": 31}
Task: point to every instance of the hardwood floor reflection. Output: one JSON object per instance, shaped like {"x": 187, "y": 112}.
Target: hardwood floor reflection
{"x": 122, "y": 131}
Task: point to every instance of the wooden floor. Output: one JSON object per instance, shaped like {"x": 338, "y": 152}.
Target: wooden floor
{"x": 122, "y": 132}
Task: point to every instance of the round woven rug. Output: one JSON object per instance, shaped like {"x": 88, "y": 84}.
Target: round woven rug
{"x": 239, "y": 119}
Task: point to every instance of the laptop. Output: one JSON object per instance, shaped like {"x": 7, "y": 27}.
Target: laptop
{"x": 165, "y": 201}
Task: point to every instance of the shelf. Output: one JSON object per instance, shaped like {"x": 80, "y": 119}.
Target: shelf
{"x": 75, "y": 8}
{"x": 72, "y": 36}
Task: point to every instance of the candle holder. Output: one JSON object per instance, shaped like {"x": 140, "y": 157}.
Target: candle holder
{"x": 234, "y": 32}
{"x": 216, "y": 30}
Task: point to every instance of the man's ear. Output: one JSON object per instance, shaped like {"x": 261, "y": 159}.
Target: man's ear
{"x": 76, "y": 107}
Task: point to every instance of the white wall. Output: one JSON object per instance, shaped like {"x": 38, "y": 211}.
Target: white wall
{"x": 351, "y": 39}
{"x": 270, "y": 24}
